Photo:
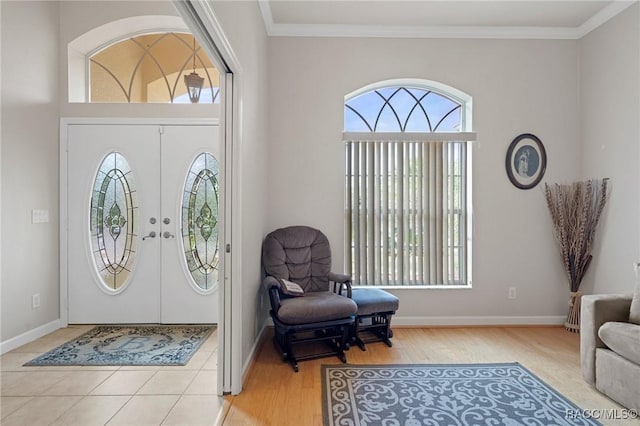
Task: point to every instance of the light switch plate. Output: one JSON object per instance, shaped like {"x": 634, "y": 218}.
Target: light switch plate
{"x": 39, "y": 216}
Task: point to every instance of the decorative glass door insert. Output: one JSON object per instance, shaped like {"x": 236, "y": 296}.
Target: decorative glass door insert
{"x": 200, "y": 231}
{"x": 114, "y": 221}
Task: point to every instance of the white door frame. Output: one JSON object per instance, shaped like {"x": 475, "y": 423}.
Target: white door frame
{"x": 201, "y": 20}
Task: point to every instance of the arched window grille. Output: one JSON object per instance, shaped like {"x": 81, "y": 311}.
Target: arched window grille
{"x": 408, "y": 192}
{"x": 402, "y": 109}
{"x": 150, "y": 68}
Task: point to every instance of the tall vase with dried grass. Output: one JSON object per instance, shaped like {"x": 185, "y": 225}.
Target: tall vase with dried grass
{"x": 575, "y": 212}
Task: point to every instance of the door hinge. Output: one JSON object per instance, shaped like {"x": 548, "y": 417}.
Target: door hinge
{"x": 227, "y": 248}
{"x": 161, "y": 130}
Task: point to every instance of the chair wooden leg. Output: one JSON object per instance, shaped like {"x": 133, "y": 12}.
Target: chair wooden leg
{"x": 334, "y": 335}
{"x": 380, "y": 328}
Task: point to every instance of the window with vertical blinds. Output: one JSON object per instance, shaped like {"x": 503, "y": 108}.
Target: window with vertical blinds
{"x": 407, "y": 207}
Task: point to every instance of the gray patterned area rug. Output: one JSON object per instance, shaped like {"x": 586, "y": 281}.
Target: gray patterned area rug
{"x": 440, "y": 394}
{"x": 128, "y": 345}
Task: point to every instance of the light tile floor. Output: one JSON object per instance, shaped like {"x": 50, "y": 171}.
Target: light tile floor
{"x": 84, "y": 396}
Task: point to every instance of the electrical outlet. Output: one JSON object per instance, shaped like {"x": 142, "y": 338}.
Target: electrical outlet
{"x": 35, "y": 301}
{"x": 512, "y": 293}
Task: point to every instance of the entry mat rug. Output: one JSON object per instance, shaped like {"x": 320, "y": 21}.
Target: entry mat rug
{"x": 128, "y": 345}
{"x": 443, "y": 394}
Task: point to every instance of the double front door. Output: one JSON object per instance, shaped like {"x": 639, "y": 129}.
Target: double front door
{"x": 144, "y": 236}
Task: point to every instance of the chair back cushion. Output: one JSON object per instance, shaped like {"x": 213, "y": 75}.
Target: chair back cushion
{"x": 300, "y": 254}
{"x": 634, "y": 315}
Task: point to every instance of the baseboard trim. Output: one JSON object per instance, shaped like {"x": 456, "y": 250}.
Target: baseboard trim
{"x": 408, "y": 321}
{"x": 253, "y": 354}
{"x": 29, "y": 336}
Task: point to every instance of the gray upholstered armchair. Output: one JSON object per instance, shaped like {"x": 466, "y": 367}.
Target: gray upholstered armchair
{"x": 309, "y": 303}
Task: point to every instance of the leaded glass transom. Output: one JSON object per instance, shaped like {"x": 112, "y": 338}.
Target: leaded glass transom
{"x": 200, "y": 230}
{"x": 402, "y": 109}
{"x": 114, "y": 221}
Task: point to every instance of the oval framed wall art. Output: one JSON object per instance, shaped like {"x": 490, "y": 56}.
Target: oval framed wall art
{"x": 526, "y": 161}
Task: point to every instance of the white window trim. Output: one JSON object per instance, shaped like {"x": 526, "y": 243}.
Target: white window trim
{"x": 410, "y": 136}
{"x": 81, "y": 48}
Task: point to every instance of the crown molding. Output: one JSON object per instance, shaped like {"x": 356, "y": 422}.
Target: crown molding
{"x": 478, "y": 32}
{"x": 388, "y": 31}
{"x": 267, "y": 16}
{"x": 603, "y": 16}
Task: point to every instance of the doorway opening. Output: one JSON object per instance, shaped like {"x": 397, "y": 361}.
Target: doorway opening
{"x": 184, "y": 237}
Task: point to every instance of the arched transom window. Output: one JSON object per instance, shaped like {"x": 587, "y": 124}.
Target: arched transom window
{"x": 408, "y": 186}
{"x": 402, "y": 109}
{"x": 150, "y": 68}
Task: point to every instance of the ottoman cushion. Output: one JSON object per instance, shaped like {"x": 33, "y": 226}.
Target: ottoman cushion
{"x": 373, "y": 300}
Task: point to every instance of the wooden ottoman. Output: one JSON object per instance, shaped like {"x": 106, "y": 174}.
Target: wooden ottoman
{"x": 373, "y": 318}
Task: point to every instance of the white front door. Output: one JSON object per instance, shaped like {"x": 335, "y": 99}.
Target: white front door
{"x": 190, "y": 224}
{"x": 131, "y": 256}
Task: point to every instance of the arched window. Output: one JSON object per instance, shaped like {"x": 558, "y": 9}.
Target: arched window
{"x": 402, "y": 109}
{"x": 150, "y": 68}
{"x": 408, "y": 192}
{"x": 141, "y": 59}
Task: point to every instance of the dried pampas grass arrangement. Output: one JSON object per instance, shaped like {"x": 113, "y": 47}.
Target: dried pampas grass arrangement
{"x": 575, "y": 212}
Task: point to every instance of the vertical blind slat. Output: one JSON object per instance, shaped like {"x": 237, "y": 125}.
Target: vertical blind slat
{"x": 384, "y": 213}
{"x": 432, "y": 214}
{"x": 406, "y": 212}
{"x": 425, "y": 215}
{"x": 400, "y": 213}
{"x": 378, "y": 215}
{"x": 356, "y": 212}
{"x": 441, "y": 202}
{"x": 393, "y": 155}
{"x": 371, "y": 211}
{"x": 348, "y": 226}
{"x": 462, "y": 221}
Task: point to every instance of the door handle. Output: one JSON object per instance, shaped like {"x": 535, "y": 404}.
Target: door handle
{"x": 152, "y": 234}
{"x": 168, "y": 234}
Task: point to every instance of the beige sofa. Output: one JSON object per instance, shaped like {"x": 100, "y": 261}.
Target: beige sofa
{"x": 610, "y": 346}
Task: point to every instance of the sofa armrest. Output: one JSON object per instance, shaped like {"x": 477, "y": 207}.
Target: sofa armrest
{"x": 341, "y": 281}
{"x": 596, "y": 310}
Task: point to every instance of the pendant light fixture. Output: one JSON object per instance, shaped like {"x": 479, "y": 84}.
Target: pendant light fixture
{"x": 193, "y": 81}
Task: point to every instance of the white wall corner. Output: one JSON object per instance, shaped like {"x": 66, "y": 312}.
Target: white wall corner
{"x": 603, "y": 16}
{"x": 267, "y": 16}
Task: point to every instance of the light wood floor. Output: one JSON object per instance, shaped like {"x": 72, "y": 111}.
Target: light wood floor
{"x": 275, "y": 395}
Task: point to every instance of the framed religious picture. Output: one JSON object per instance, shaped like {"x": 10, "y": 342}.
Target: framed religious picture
{"x": 526, "y": 161}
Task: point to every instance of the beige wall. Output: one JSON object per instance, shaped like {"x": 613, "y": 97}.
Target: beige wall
{"x": 29, "y": 165}
{"x": 517, "y": 86}
{"x": 610, "y": 135}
